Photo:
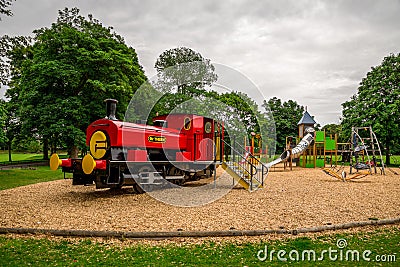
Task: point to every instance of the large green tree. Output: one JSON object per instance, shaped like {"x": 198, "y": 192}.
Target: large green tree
{"x": 242, "y": 110}
{"x": 242, "y": 106}
{"x": 185, "y": 70}
{"x": 183, "y": 75}
{"x": 4, "y": 7}
{"x": 286, "y": 116}
{"x": 3, "y": 118}
{"x": 332, "y": 129}
{"x": 377, "y": 104}
{"x": 61, "y": 80}
{"x": 6, "y": 43}
{"x": 4, "y": 48}
{"x": 12, "y": 127}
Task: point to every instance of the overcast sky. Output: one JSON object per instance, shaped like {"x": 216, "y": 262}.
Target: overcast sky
{"x": 314, "y": 52}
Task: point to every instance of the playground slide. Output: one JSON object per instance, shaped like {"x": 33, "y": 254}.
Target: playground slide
{"x": 296, "y": 151}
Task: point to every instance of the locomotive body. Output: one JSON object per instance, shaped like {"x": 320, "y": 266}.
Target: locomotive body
{"x": 177, "y": 148}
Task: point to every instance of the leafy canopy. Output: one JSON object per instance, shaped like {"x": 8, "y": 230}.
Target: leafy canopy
{"x": 61, "y": 81}
{"x": 3, "y": 118}
{"x": 185, "y": 70}
{"x": 377, "y": 104}
{"x": 4, "y": 10}
{"x": 286, "y": 115}
{"x": 332, "y": 129}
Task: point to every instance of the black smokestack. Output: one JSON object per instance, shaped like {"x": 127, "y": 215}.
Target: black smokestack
{"x": 111, "y": 108}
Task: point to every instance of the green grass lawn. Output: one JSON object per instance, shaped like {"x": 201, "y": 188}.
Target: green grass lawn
{"x": 19, "y": 156}
{"x": 19, "y": 177}
{"x": 382, "y": 244}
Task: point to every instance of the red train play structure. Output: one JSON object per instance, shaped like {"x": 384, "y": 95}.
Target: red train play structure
{"x": 177, "y": 148}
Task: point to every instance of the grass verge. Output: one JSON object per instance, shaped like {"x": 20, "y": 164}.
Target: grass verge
{"x": 19, "y": 177}
{"x": 19, "y": 156}
{"x": 382, "y": 244}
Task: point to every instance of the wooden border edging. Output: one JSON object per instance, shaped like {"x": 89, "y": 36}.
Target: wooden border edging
{"x": 196, "y": 234}
{"x": 17, "y": 165}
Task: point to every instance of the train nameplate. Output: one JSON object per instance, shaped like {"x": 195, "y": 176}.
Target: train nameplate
{"x": 156, "y": 139}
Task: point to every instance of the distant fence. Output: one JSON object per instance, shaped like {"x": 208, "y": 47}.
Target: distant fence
{"x": 23, "y": 164}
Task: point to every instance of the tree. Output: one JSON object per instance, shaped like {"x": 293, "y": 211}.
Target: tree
{"x": 377, "y": 104}
{"x": 183, "y": 75}
{"x": 332, "y": 129}
{"x": 243, "y": 117}
{"x": 185, "y": 70}
{"x": 7, "y": 44}
{"x": 12, "y": 127}
{"x": 62, "y": 79}
{"x": 4, "y": 10}
{"x": 244, "y": 107}
{"x": 4, "y": 4}
{"x": 286, "y": 116}
{"x": 3, "y": 118}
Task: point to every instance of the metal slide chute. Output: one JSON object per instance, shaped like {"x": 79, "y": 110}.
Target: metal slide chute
{"x": 249, "y": 171}
{"x": 296, "y": 151}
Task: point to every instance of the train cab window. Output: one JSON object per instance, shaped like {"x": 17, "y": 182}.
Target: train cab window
{"x": 208, "y": 127}
{"x": 161, "y": 123}
{"x": 187, "y": 123}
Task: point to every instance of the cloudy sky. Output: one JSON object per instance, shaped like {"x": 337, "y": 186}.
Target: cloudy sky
{"x": 314, "y": 52}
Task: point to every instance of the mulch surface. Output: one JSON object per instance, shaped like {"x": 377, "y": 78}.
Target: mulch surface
{"x": 290, "y": 200}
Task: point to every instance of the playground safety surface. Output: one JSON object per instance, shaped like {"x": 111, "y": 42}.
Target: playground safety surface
{"x": 290, "y": 200}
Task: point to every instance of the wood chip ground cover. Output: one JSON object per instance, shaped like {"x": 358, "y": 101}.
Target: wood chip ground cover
{"x": 300, "y": 198}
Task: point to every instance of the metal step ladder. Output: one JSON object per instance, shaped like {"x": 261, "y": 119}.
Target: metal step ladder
{"x": 246, "y": 169}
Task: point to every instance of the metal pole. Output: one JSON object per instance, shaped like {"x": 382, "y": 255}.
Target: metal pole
{"x": 220, "y": 149}
{"x": 215, "y": 175}
{"x": 251, "y": 176}
{"x": 373, "y": 148}
{"x": 234, "y": 147}
{"x": 262, "y": 175}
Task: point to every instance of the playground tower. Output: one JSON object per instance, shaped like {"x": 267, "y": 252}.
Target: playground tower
{"x": 305, "y": 122}
{"x": 324, "y": 148}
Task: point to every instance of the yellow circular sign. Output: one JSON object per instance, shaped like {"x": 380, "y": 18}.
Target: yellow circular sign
{"x": 98, "y": 145}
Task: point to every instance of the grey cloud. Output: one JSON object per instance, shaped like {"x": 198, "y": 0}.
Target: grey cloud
{"x": 301, "y": 50}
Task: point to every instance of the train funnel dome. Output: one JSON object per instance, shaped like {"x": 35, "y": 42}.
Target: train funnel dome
{"x": 111, "y": 108}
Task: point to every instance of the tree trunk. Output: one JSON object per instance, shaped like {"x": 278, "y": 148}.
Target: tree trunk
{"x": 9, "y": 151}
{"x": 387, "y": 141}
{"x": 45, "y": 149}
{"x": 387, "y": 161}
{"x": 53, "y": 149}
{"x": 74, "y": 152}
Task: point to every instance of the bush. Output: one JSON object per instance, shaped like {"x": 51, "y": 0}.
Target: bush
{"x": 31, "y": 146}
